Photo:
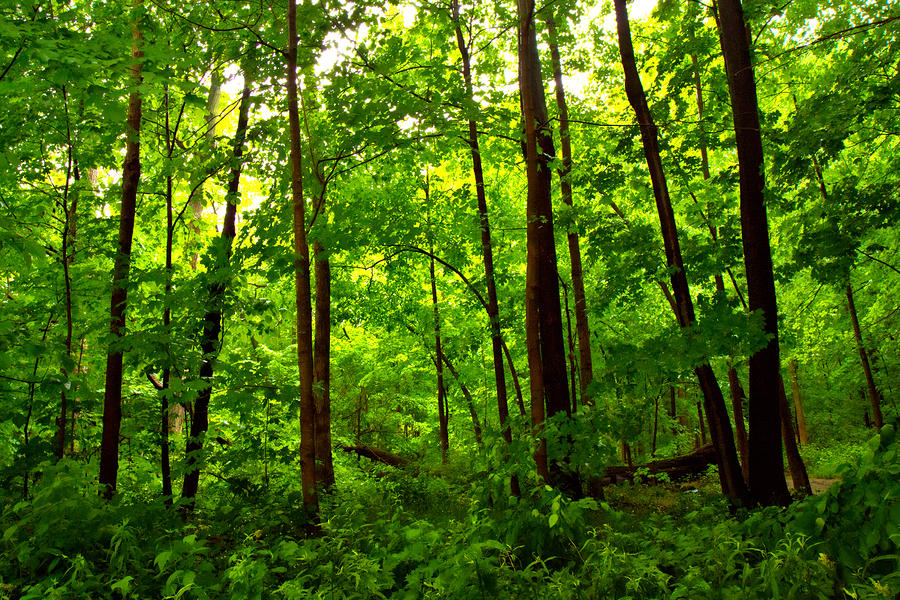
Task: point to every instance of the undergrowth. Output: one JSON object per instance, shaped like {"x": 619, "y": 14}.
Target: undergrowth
{"x": 399, "y": 534}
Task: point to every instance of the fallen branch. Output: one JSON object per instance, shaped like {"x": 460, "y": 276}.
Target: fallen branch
{"x": 382, "y": 456}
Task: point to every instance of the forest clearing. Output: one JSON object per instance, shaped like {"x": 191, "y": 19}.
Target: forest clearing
{"x": 449, "y": 299}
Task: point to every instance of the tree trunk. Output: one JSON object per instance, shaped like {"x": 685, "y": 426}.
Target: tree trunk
{"x": 767, "y": 485}
{"x": 798, "y": 470}
{"x": 737, "y": 405}
{"x": 582, "y": 327}
{"x": 486, "y": 244}
{"x": 439, "y": 366}
{"x": 67, "y": 248}
{"x": 571, "y": 341}
{"x": 874, "y": 397}
{"x": 322, "y": 369}
{"x": 476, "y": 422}
{"x": 131, "y": 176}
{"x": 301, "y": 277}
{"x": 798, "y": 404}
{"x": 543, "y": 320}
{"x": 719, "y": 424}
{"x": 212, "y": 321}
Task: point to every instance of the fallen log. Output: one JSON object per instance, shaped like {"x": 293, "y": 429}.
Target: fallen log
{"x": 679, "y": 467}
{"x": 382, "y": 456}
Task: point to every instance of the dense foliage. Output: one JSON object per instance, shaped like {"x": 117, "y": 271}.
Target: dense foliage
{"x": 408, "y": 142}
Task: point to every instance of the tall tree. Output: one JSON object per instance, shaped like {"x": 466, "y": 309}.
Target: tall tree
{"x": 582, "y": 326}
{"x": 301, "y": 278}
{"x": 487, "y": 250}
{"x": 131, "y": 177}
{"x": 212, "y": 321}
{"x": 543, "y": 317}
{"x": 719, "y": 424}
{"x": 767, "y": 484}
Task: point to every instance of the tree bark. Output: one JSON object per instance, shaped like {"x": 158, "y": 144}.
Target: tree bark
{"x": 131, "y": 176}
{"x": 439, "y": 367}
{"x": 799, "y": 477}
{"x": 798, "y": 404}
{"x": 737, "y": 405}
{"x": 719, "y": 424}
{"x": 322, "y": 369}
{"x": 874, "y": 396}
{"x": 767, "y": 485}
{"x": 543, "y": 320}
{"x": 476, "y": 422}
{"x": 301, "y": 278}
{"x": 582, "y": 326}
{"x": 212, "y": 321}
{"x": 493, "y": 308}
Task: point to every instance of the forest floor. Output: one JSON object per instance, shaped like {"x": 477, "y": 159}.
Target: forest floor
{"x": 818, "y": 484}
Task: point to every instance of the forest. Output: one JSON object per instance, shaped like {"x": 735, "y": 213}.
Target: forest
{"x": 563, "y": 299}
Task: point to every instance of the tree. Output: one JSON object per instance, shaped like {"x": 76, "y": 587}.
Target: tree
{"x": 543, "y": 320}
{"x": 716, "y": 412}
{"x": 767, "y": 485}
{"x": 131, "y": 177}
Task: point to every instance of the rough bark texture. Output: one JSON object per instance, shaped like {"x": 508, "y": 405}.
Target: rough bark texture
{"x": 582, "y": 327}
{"x": 131, "y": 176}
{"x": 874, "y": 396}
{"x": 767, "y": 484}
{"x": 212, "y": 321}
{"x": 322, "y": 369}
{"x": 719, "y": 424}
{"x": 301, "y": 279}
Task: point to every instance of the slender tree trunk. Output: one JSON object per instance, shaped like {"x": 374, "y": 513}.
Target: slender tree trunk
{"x": 737, "y": 405}
{"x": 131, "y": 176}
{"x": 720, "y": 426}
{"x": 322, "y": 368}
{"x": 165, "y": 462}
{"x": 486, "y": 248}
{"x": 799, "y": 476}
{"x": 520, "y": 402}
{"x": 301, "y": 275}
{"x": 212, "y": 322}
{"x": 655, "y": 425}
{"x": 581, "y": 319}
{"x": 874, "y": 396}
{"x": 543, "y": 321}
{"x": 767, "y": 485}
{"x": 702, "y": 425}
{"x": 571, "y": 341}
{"x": 439, "y": 367}
{"x": 68, "y": 238}
{"x": 798, "y": 404}
{"x": 476, "y": 422}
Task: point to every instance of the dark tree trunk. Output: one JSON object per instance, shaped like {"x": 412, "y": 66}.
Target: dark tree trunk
{"x": 476, "y": 422}
{"x": 719, "y": 424}
{"x": 571, "y": 341}
{"x": 737, "y": 405}
{"x": 582, "y": 326}
{"x": 322, "y": 368}
{"x": 301, "y": 277}
{"x": 131, "y": 176}
{"x": 799, "y": 476}
{"x": 439, "y": 367}
{"x": 767, "y": 485}
{"x": 543, "y": 320}
{"x": 874, "y": 396}
{"x": 212, "y": 321}
{"x": 493, "y": 308}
